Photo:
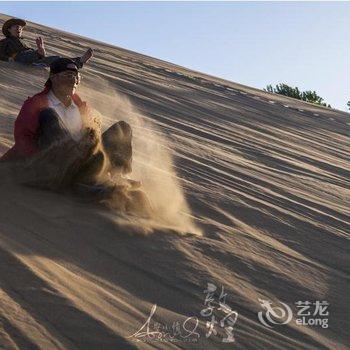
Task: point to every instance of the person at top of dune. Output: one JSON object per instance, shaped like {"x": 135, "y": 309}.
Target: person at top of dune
{"x": 58, "y": 115}
{"x": 13, "y": 47}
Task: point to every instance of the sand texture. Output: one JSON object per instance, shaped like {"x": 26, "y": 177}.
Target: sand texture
{"x": 252, "y": 193}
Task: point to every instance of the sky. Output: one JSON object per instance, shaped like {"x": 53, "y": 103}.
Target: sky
{"x": 303, "y": 44}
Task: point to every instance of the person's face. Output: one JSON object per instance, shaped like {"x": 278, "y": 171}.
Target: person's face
{"x": 16, "y": 30}
{"x": 67, "y": 81}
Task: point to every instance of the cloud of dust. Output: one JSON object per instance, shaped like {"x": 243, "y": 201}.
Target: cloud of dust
{"x": 152, "y": 160}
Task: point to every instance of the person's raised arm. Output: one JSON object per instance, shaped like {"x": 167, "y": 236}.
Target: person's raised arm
{"x": 40, "y": 46}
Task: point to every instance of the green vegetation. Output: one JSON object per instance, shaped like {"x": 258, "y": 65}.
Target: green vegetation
{"x": 294, "y": 92}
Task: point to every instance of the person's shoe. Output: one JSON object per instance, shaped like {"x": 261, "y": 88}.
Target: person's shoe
{"x": 117, "y": 144}
{"x": 87, "y": 56}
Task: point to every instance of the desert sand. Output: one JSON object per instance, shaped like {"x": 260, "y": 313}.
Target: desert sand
{"x": 252, "y": 191}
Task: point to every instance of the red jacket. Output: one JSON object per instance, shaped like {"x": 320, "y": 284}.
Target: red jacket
{"x": 27, "y": 123}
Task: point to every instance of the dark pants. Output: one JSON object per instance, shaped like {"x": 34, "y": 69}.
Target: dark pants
{"x": 31, "y": 56}
{"x": 115, "y": 142}
{"x": 51, "y": 129}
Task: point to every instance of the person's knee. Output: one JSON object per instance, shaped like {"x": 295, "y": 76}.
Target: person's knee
{"x": 48, "y": 116}
{"x": 118, "y": 133}
{"x": 50, "y": 128}
{"x": 121, "y": 127}
{"x": 117, "y": 142}
{"x": 124, "y": 127}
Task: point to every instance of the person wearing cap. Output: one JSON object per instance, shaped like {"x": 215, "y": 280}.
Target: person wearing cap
{"x": 58, "y": 114}
{"x": 13, "y": 47}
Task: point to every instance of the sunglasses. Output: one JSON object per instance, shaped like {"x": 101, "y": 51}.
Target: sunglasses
{"x": 70, "y": 74}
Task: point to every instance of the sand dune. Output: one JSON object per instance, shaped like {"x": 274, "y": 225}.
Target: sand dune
{"x": 253, "y": 191}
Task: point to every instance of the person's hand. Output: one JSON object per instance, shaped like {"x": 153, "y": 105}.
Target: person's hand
{"x": 40, "y": 45}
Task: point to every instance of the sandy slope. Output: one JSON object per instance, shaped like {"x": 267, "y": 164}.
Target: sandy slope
{"x": 266, "y": 187}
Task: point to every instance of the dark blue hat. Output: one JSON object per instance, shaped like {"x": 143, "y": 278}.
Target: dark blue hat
{"x": 61, "y": 65}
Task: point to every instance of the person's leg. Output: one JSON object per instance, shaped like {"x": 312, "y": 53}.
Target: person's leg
{"x": 81, "y": 163}
{"x": 47, "y": 60}
{"x": 117, "y": 144}
{"x": 27, "y": 57}
{"x": 86, "y": 56}
{"x": 32, "y": 57}
{"x": 79, "y": 61}
{"x": 51, "y": 128}
{"x": 91, "y": 169}
{"x": 57, "y": 160}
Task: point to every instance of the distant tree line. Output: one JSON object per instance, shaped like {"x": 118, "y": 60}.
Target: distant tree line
{"x": 294, "y": 92}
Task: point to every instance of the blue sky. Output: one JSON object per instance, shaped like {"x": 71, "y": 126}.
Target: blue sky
{"x": 304, "y": 44}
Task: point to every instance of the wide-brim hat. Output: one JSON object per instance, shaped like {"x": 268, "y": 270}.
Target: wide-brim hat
{"x": 11, "y": 22}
